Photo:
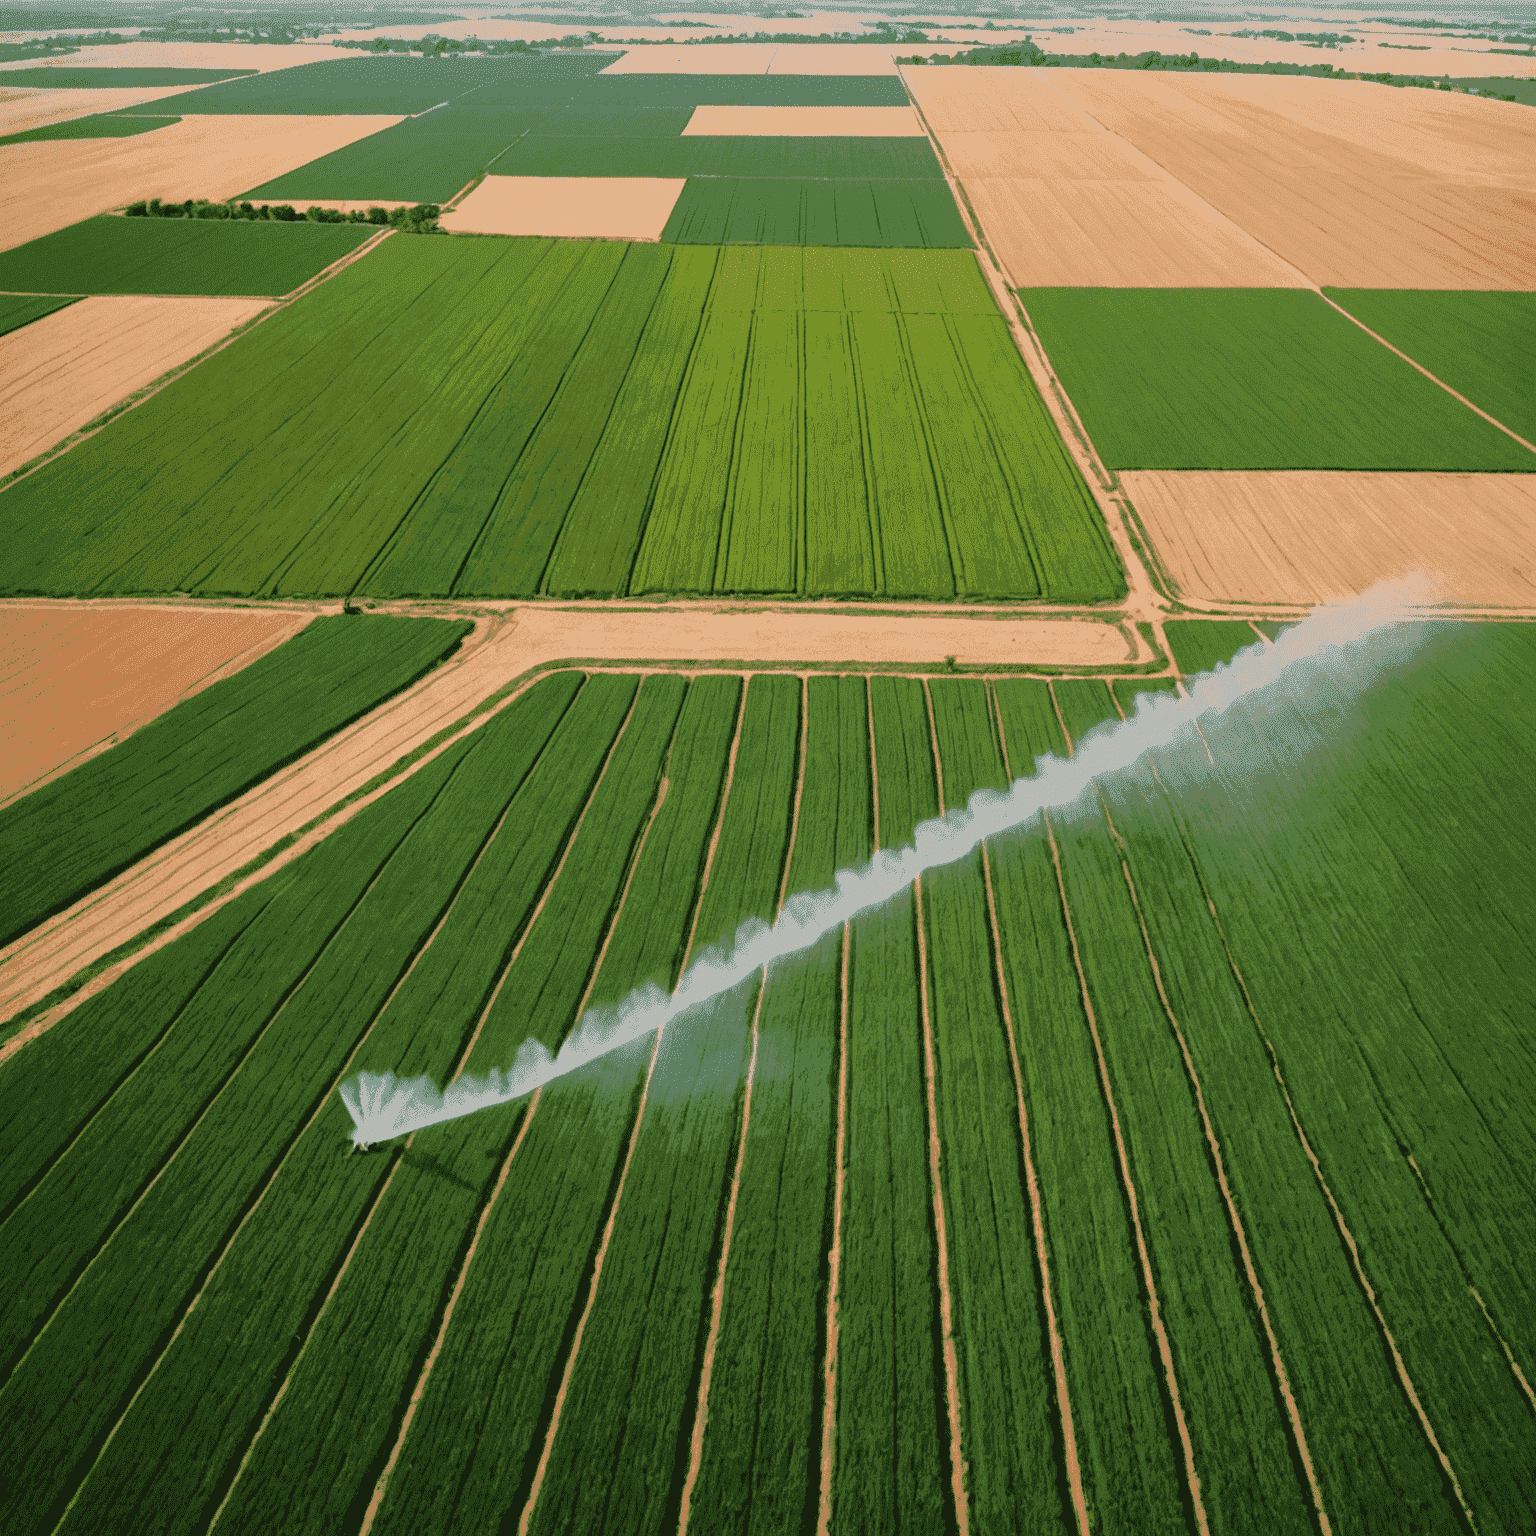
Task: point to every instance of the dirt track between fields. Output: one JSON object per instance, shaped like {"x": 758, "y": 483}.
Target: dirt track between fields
{"x": 514, "y": 644}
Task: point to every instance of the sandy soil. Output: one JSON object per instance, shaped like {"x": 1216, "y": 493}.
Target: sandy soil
{"x": 501, "y": 649}
{"x": 573, "y": 207}
{"x": 1358, "y": 185}
{"x": 64, "y": 370}
{"x": 1304, "y": 536}
{"x": 262, "y": 57}
{"x": 47, "y": 186}
{"x": 74, "y": 678}
{"x": 806, "y": 122}
{"x": 1066, "y": 203}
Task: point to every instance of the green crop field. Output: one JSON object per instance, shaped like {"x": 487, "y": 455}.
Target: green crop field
{"x": 1481, "y": 344}
{"x": 1159, "y": 1039}
{"x": 804, "y": 157}
{"x": 63, "y": 840}
{"x": 112, "y": 254}
{"x": 19, "y": 309}
{"x": 64, "y": 77}
{"x": 1237, "y": 378}
{"x": 516, "y": 417}
{"x": 422, "y": 159}
{"x": 97, "y": 126}
{"x": 728, "y": 210}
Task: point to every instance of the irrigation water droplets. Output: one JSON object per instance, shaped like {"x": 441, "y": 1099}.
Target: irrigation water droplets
{"x": 1336, "y": 647}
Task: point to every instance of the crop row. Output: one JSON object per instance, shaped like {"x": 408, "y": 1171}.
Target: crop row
{"x": 520, "y": 1306}
{"x": 511, "y": 417}
{"x": 65, "y": 839}
{"x": 728, "y": 210}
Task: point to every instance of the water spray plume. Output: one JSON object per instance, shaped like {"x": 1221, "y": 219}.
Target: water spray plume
{"x": 383, "y": 1106}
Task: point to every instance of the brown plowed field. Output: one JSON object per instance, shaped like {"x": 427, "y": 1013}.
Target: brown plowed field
{"x": 568, "y": 207}
{"x": 1305, "y": 536}
{"x": 1066, "y": 203}
{"x": 73, "y": 677}
{"x": 1357, "y": 184}
{"x": 806, "y": 122}
{"x": 64, "y": 370}
{"x": 47, "y": 186}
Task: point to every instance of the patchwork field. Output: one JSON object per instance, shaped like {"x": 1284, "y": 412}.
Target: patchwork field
{"x": 50, "y": 186}
{"x": 770, "y": 450}
{"x": 62, "y": 371}
{"x": 683, "y": 420}
{"x": 1308, "y": 536}
{"x": 76, "y": 678}
{"x": 1251, "y": 379}
{"x": 61, "y": 841}
{"x": 147, "y": 255}
{"x": 536, "y": 870}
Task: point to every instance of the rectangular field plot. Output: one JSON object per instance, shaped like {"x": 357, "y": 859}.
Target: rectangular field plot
{"x": 863, "y": 122}
{"x": 426, "y": 159}
{"x": 65, "y": 839}
{"x": 517, "y": 417}
{"x": 1308, "y": 536}
{"x": 546, "y": 154}
{"x": 995, "y": 1173}
{"x": 564, "y": 207}
{"x": 729, "y": 210}
{"x": 62, "y": 77}
{"x": 1250, "y": 379}
{"x": 1481, "y": 344}
{"x": 147, "y": 255}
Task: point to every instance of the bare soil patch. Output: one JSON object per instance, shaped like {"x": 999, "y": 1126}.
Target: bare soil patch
{"x": 1358, "y": 185}
{"x": 1306, "y": 536}
{"x": 64, "y": 370}
{"x": 1066, "y": 203}
{"x": 570, "y": 207}
{"x": 75, "y": 678}
{"x": 48, "y": 186}
{"x": 37, "y": 106}
{"x": 760, "y": 59}
{"x": 805, "y": 122}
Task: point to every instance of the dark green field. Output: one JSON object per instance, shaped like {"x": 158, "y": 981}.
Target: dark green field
{"x": 1275, "y": 956}
{"x": 97, "y": 126}
{"x": 1250, "y": 378}
{"x": 112, "y": 254}
{"x": 63, "y": 77}
{"x": 1481, "y": 344}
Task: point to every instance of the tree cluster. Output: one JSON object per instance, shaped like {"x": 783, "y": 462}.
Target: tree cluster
{"x": 419, "y": 220}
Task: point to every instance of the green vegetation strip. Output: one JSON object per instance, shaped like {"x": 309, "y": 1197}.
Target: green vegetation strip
{"x": 1217, "y": 378}
{"x": 212, "y": 256}
{"x": 67, "y": 838}
{"x": 65, "y": 77}
{"x": 427, "y": 158}
{"x": 520, "y": 417}
{"x": 19, "y": 309}
{"x": 97, "y": 126}
{"x": 802, "y": 157}
{"x": 727, "y": 210}
{"x": 1481, "y": 344}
